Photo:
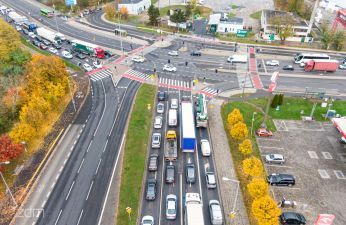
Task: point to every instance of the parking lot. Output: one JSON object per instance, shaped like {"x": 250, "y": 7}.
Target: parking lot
{"x": 316, "y": 159}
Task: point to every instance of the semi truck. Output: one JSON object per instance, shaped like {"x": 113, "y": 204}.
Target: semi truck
{"x": 188, "y": 141}
{"x": 88, "y": 48}
{"x": 201, "y": 111}
{"x": 193, "y": 209}
{"x": 30, "y": 26}
{"x": 16, "y": 18}
{"x": 171, "y": 146}
{"x": 321, "y": 65}
{"x": 48, "y": 35}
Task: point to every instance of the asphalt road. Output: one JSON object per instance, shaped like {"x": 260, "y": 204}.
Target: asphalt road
{"x": 157, "y": 207}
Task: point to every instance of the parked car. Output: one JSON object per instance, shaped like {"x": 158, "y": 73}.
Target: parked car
{"x": 147, "y": 220}
{"x": 275, "y": 158}
{"x": 281, "y": 179}
{"x": 156, "y": 140}
{"x": 169, "y": 68}
{"x": 173, "y": 53}
{"x": 342, "y": 140}
{"x": 174, "y": 103}
{"x": 190, "y": 173}
{"x": 263, "y": 132}
{"x": 272, "y": 63}
{"x": 66, "y": 54}
{"x": 342, "y": 66}
{"x": 158, "y": 122}
{"x": 56, "y": 45}
{"x": 215, "y": 212}
{"x": 151, "y": 189}
{"x": 36, "y": 43}
{"x": 43, "y": 46}
{"x": 153, "y": 162}
{"x": 161, "y": 96}
{"x": 38, "y": 38}
{"x": 288, "y": 67}
{"x": 170, "y": 173}
{"x": 138, "y": 59}
{"x": 292, "y": 218}
{"x": 97, "y": 64}
{"x": 196, "y": 53}
{"x": 80, "y": 56}
{"x": 210, "y": 179}
{"x": 171, "y": 207}
{"x": 18, "y": 28}
{"x": 53, "y": 50}
{"x": 25, "y": 31}
{"x": 46, "y": 42}
{"x": 32, "y": 34}
{"x": 205, "y": 147}
{"x": 67, "y": 41}
{"x": 160, "y": 108}
{"x": 87, "y": 67}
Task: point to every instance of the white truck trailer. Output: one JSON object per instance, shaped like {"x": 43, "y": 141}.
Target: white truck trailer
{"x": 16, "y": 18}
{"x": 193, "y": 209}
{"x": 48, "y": 35}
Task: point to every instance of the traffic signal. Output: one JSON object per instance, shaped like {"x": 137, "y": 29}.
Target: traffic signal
{"x": 216, "y": 71}
{"x": 154, "y": 70}
{"x": 169, "y": 61}
{"x": 186, "y": 63}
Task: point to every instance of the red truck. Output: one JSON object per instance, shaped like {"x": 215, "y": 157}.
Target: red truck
{"x": 321, "y": 65}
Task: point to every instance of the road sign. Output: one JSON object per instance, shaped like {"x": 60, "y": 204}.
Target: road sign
{"x": 325, "y": 219}
{"x": 152, "y": 76}
{"x": 242, "y": 33}
{"x": 70, "y": 2}
{"x": 232, "y": 215}
{"x": 128, "y": 209}
{"x": 272, "y": 37}
{"x": 149, "y": 107}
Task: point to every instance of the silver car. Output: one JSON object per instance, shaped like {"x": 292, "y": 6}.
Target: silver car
{"x": 171, "y": 207}
{"x": 160, "y": 108}
{"x": 156, "y": 140}
{"x": 215, "y": 212}
{"x": 210, "y": 179}
{"x": 275, "y": 158}
{"x": 158, "y": 122}
{"x": 174, "y": 103}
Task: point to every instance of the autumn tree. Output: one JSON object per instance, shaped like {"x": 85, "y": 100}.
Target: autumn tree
{"x": 124, "y": 12}
{"x": 93, "y": 3}
{"x": 239, "y": 131}
{"x": 245, "y": 147}
{"x": 110, "y": 11}
{"x": 22, "y": 132}
{"x": 8, "y": 149}
{"x": 283, "y": 25}
{"x": 339, "y": 40}
{"x": 266, "y": 211}
{"x": 257, "y": 188}
{"x": 234, "y": 117}
{"x": 295, "y": 6}
{"x": 253, "y": 167}
{"x": 9, "y": 39}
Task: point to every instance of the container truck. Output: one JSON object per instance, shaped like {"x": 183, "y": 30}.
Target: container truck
{"x": 188, "y": 141}
{"x": 30, "y": 26}
{"x": 88, "y": 48}
{"x": 201, "y": 111}
{"x": 321, "y": 65}
{"x": 48, "y": 35}
{"x": 193, "y": 209}
{"x": 171, "y": 146}
{"x": 16, "y": 18}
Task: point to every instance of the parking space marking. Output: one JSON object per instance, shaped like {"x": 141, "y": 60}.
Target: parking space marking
{"x": 271, "y": 147}
{"x": 287, "y": 188}
{"x": 323, "y": 173}
{"x": 313, "y": 154}
{"x": 327, "y": 155}
{"x": 268, "y": 139}
{"x": 281, "y": 125}
{"x": 339, "y": 174}
{"x": 278, "y": 165}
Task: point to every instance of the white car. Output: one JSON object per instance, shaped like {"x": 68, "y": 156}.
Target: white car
{"x": 342, "y": 66}
{"x": 87, "y": 67}
{"x": 274, "y": 158}
{"x": 53, "y": 50}
{"x": 171, "y": 207}
{"x": 173, "y": 53}
{"x": 97, "y": 65}
{"x": 210, "y": 179}
{"x": 158, "y": 122}
{"x": 138, "y": 59}
{"x": 215, "y": 212}
{"x": 147, "y": 220}
{"x": 174, "y": 103}
{"x": 302, "y": 64}
{"x": 160, "y": 108}
{"x": 66, "y": 55}
{"x": 169, "y": 68}
{"x": 156, "y": 140}
{"x": 18, "y": 28}
{"x": 32, "y": 34}
{"x": 272, "y": 63}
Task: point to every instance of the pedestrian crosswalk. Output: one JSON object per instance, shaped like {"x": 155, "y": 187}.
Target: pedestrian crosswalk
{"x": 136, "y": 75}
{"x": 244, "y": 80}
{"x": 101, "y": 74}
{"x": 175, "y": 84}
{"x": 209, "y": 92}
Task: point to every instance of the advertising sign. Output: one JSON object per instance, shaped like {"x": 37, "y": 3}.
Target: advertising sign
{"x": 70, "y": 2}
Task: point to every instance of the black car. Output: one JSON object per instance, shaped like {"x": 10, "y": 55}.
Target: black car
{"x": 25, "y": 31}
{"x": 36, "y": 43}
{"x": 108, "y": 54}
{"x": 161, "y": 96}
{"x": 46, "y": 42}
{"x": 68, "y": 41}
{"x": 292, "y": 218}
{"x": 170, "y": 174}
{"x": 281, "y": 179}
{"x": 57, "y": 46}
{"x": 151, "y": 189}
{"x": 37, "y": 38}
{"x": 190, "y": 173}
{"x": 80, "y": 56}
{"x": 195, "y": 53}
{"x": 288, "y": 67}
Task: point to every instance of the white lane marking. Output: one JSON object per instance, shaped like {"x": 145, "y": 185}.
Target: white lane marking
{"x": 98, "y": 165}
{"x": 43, "y": 204}
{"x": 47, "y": 195}
{"x": 74, "y": 143}
{"x": 51, "y": 186}
{"x": 92, "y": 182}
{"x": 68, "y": 194}
{"x": 56, "y": 221}
{"x": 104, "y": 108}
{"x": 104, "y": 149}
{"x": 89, "y": 145}
{"x": 80, "y": 216}
{"x": 294, "y": 188}
{"x": 57, "y": 176}
{"x": 181, "y": 198}
{"x": 80, "y": 166}
{"x": 271, "y": 147}
{"x": 264, "y": 66}
{"x": 61, "y": 168}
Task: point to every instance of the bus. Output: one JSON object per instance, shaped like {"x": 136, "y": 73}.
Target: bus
{"x": 120, "y": 32}
{"x": 47, "y": 12}
{"x": 304, "y": 57}
{"x": 201, "y": 111}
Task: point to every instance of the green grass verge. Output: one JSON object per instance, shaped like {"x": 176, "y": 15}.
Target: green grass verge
{"x": 205, "y": 11}
{"x": 230, "y": 15}
{"x": 33, "y": 47}
{"x": 256, "y": 15}
{"x": 135, "y": 154}
{"x": 234, "y": 6}
{"x": 153, "y": 1}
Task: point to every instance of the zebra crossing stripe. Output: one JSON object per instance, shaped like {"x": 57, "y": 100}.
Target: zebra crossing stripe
{"x": 100, "y": 75}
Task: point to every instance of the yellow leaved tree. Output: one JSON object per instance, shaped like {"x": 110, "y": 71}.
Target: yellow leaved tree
{"x": 266, "y": 211}
{"x": 234, "y": 117}
{"x": 252, "y": 166}
{"x": 110, "y": 11}
{"x": 245, "y": 147}
{"x": 9, "y": 40}
{"x": 239, "y": 131}
{"x": 258, "y": 187}
{"x": 124, "y": 12}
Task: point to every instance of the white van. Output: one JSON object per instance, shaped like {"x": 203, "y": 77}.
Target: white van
{"x": 205, "y": 147}
{"x": 172, "y": 118}
{"x": 237, "y": 59}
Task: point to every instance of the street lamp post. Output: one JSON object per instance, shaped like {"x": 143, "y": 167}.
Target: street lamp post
{"x": 24, "y": 144}
{"x": 72, "y": 97}
{"x": 253, "y": 119}
{"x": 236, "y": 195}
{"x": 7, "y": 188}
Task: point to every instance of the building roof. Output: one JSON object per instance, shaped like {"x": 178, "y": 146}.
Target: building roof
{"x": 233, "y": 20}
{"x": 218, "y": 18}
{"x": 271, "y": 13}
{"x": 130, "y": 1}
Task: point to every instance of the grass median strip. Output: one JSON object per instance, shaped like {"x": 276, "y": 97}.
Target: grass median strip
{"x": 135, "y": 154}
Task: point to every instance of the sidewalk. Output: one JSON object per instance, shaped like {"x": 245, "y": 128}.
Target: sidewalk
{"x": 225, "y": 167}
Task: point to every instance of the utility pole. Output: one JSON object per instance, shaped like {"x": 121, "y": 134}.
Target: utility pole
{"x": 313, "y": 15}
{"x": 121, "y": 39}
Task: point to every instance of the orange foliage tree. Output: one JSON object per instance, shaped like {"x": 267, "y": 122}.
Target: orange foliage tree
{"x": 8, "y": 149}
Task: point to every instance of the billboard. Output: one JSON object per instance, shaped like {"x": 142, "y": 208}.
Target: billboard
{"x": 70, "y": 2}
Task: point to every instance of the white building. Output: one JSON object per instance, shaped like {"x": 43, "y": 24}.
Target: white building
{"x": 333, "y": 5}
{"x": 220, "y": 23}
{"x": 300, "y": 27}
{"x": 135, "y": 7}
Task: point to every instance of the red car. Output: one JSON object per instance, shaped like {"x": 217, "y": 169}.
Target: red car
{"x": 43, "y": 46}
{"x": 263, "y": 132}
